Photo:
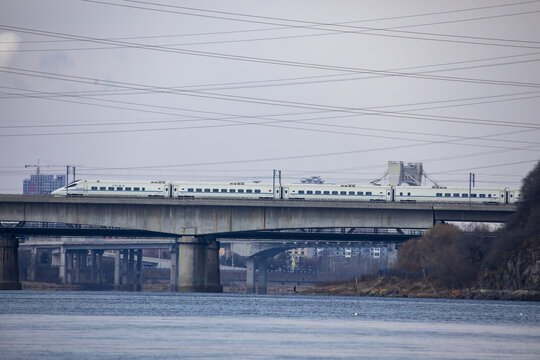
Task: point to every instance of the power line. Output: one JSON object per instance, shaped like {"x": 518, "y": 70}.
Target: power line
{"x": 287, "y": 27}
{"x": 313, "y": 25}
{"x": 279, "y": 62}
{"x": 281, "y": 103}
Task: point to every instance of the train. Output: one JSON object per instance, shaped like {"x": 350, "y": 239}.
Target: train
{"x": 241, "y": 190}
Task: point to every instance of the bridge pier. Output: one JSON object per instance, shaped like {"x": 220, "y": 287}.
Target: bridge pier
{"x": 198, "y": 265}
{"x": 256, "y": 280}
{"x": 97, "y": 266}
{"x": 138, "y": 271}
{"x": 31, "y": 275}
{"x": 212, "y": 277}
{"x": 9, "y": 264}
{"x": 173, "y": 250}
{"x": 116, "y": 270}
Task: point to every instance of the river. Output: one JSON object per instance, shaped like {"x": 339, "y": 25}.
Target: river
{"x": 126, "y": 325}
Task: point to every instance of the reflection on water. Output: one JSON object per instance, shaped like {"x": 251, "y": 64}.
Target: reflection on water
{"x": 62, "y": 325}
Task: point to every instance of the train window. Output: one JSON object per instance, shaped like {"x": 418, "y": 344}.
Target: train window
{"x": 143, "y": 189}
{"x": 343, "y": 193}
{"x": 309, "y": 192}
{"x": 215, "y": 190}
{"x": 111, "y": 188}
{"x": 128, "y": 189}
{"x": 438, "y": 194}
{"x": 206, "y": 190}
{"x": 482, "y": 195}
{"x": 138, "y": 189}
{"x": 489, "y": 195}
{"x": 249, "y": 191}
{"x": 334, "y": 192}
{"x": 318, "y": 192}
{"x": 408, "y": 194}
{"x": 119, "y": 189}
{"x": 232, "y": 190}
{"x": 102, "y": 188}
{"x": 447, "y": 194}
{"x": 456, "y": 195}
{"x": 473, "y": 195}
{"x": 326, "y": 193}
{"x": 223, "y": 190}
{"x": 301, "y": 191}
{"x": 240, "y": 190}
{"x": 94, "y": 187}
{"x": 360, "y": 193}
{"x": 257, "y": 191}
{"x": 400, "y": 194}
{"x": 368, "y": 192}
{"x": 198, "y": 190}
{"x": 351, "y": 192}
{"x": 464, "y": 195}
{"x": 190, "y": 189}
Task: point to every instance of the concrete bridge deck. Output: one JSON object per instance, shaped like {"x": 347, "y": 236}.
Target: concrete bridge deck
{"x": 210, "y": 216}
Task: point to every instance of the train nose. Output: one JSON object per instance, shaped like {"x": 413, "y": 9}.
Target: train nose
{"x": 59, "y": 192}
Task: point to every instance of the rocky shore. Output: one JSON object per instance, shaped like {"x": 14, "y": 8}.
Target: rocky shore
{"x": 398, "y": 287}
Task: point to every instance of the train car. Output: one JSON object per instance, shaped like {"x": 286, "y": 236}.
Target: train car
{"x": 512, "y": 196}
{"x": 337, "y": 192}
{"x": 236, "y": 190}
{"x": 118, "y": 188}
{"x": 449, "y": 194}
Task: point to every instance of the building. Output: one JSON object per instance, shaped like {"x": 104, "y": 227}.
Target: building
{"x": 43, "y": 184}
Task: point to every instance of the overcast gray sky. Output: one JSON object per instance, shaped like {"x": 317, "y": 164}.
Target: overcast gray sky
{"x": 229, "y": 90}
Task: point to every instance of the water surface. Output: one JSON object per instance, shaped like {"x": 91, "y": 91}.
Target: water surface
{"x": 88, "y": 325}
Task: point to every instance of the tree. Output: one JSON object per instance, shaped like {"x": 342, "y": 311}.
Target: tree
{"x": 512, "y": 262}
{"x": 443, "y": 255}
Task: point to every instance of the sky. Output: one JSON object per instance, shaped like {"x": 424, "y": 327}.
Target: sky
{"x": 231, "y": 90}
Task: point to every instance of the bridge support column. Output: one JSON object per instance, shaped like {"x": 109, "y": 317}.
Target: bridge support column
{"x": 116, "y": 270}
{"x": 69, "y": 267}
{"x": 212, "y": 277}
{"x": 194, "y": 270}
{"x": 93, "y": 269}
{"x": 62, "y": 271}
{"x": 9, "y": 264}
{"x": 138, "y": 275}
{"x": 99, "y": 266}
{"x": 250, "y": 276}
{"x": 191, "y": 264}
{"x": 131, "y": 270}
{"x": 125, "y": 269}
{"x": 77, "y": 267}
{"x": 261, "y": 276}
{"x": 256, "y": 280}
{"x": 173, "y": 250}
{"x": 33, "y": 264}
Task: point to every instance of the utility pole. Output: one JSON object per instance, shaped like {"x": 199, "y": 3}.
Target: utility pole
{"x": 471, "y": 184}
{"x": 274, "y": 183}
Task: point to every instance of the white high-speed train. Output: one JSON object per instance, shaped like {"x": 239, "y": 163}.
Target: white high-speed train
{"x": 165, "y": 189}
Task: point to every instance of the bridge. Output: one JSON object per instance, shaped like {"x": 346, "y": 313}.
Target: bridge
{"x": 197, "y": 224}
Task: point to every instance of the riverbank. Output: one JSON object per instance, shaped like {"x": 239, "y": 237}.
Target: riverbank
{"x": 398, "y": 287}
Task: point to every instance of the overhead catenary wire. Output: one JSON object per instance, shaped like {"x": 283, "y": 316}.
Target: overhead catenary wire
{"x": 253, "y": 100}
{"x": 281, "y": 62}
{"x": 446, "y": 12}
{"x": 296, "y": 23}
